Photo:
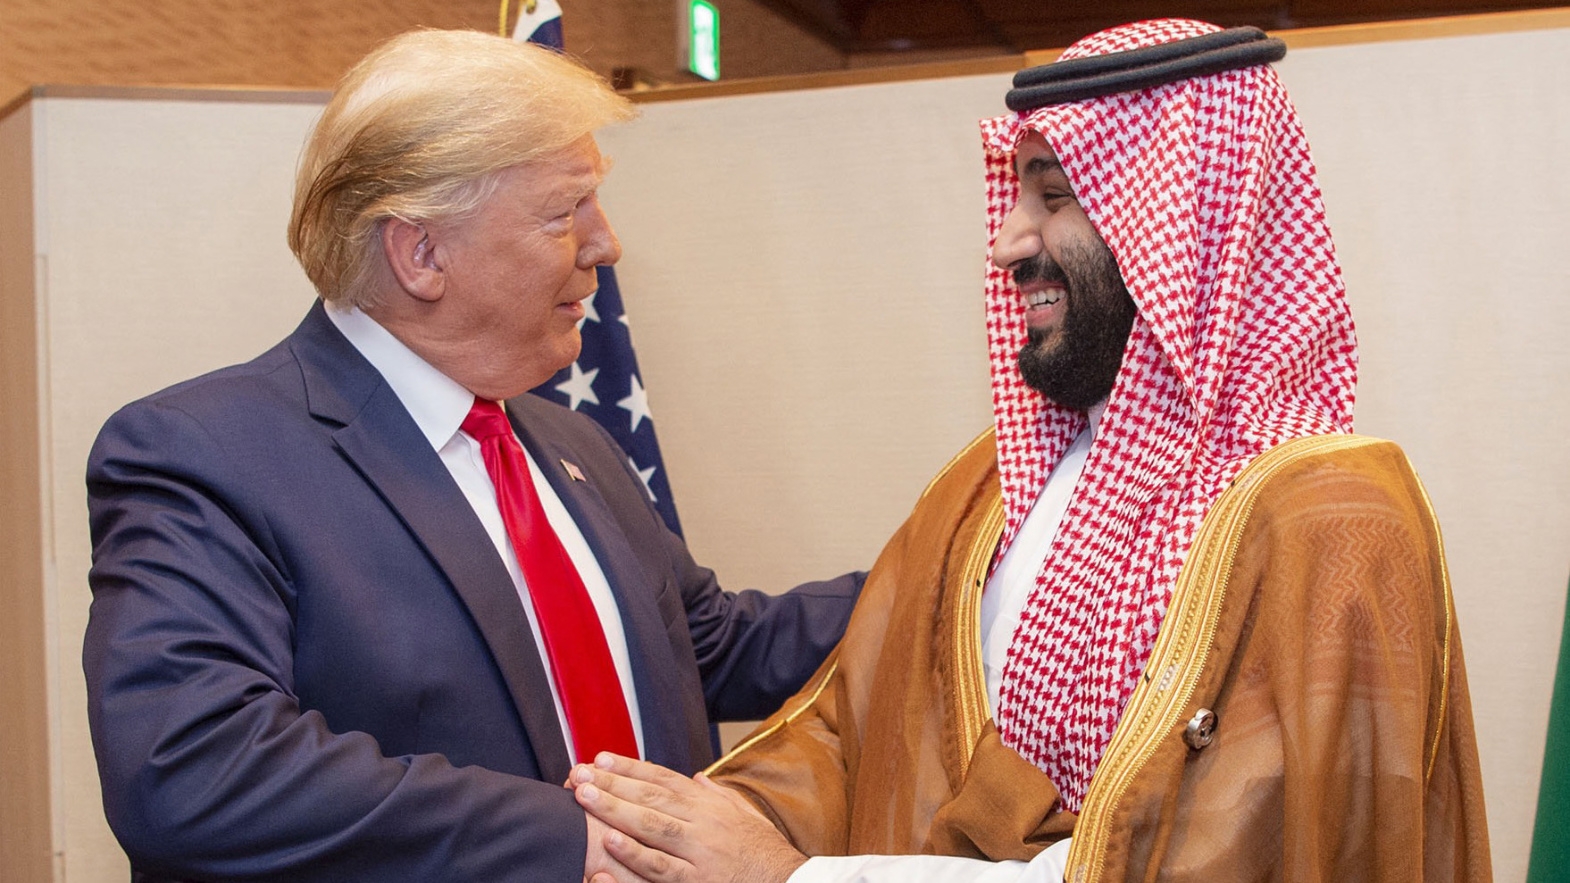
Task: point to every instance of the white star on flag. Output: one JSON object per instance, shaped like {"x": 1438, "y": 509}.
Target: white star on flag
{"x": 644, "y": 474}
{"x": 579, "y": 388}
{"x": 636, "y": 404}
{"x": 590, "y": 314}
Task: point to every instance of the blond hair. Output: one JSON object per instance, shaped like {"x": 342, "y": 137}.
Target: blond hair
{"x": 418, "y": 130}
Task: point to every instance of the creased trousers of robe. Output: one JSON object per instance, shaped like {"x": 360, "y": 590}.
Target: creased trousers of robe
{"x": 1313, "y": 617}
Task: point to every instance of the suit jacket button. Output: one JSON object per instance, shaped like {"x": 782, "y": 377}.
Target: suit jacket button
{"x": 1201, "y": 729}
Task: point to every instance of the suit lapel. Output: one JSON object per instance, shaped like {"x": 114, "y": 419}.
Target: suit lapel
{"x": 383, "y": 442}
{"x": 648, "y": 646}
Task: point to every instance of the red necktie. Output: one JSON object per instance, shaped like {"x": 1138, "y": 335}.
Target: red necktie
{"x": 581, "y": 662}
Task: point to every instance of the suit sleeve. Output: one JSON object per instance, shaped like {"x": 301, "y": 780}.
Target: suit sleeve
{"x": 209, "y": 766}
{"x": 755, "y": 650}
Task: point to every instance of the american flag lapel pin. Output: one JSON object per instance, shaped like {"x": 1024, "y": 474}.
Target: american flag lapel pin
{"x": 574, "y": 471}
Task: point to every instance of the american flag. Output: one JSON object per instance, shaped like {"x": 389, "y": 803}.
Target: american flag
{"x": 604, "y": 383}
{"x": 539, "y": 21}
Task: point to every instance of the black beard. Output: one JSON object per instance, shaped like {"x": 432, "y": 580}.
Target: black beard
{"x": 1080, "y": 369}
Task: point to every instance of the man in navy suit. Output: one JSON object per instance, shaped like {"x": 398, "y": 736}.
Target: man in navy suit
{"x": 313, "y": 653}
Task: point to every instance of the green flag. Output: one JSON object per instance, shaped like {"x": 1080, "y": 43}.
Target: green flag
{"x": 1551, "y": 837}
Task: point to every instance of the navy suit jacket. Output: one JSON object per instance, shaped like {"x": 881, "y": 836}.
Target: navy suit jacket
{"x": 306, "y": 661}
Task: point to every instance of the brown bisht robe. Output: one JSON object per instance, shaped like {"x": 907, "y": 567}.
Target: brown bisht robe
{"x": 1313, "y": 618}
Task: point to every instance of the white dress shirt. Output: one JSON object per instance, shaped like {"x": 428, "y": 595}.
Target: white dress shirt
{"x": 1002, "y": 604}
{"x": 439, "y": 405}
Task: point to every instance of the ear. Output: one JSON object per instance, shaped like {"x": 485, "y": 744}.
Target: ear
{"x": 412, "y": 258}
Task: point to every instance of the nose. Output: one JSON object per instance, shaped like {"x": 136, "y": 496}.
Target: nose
{"x": 1018, "y": 240}
{"x": 599, "y": 245}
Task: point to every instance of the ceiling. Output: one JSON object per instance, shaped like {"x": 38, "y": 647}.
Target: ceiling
{"x": 853, "y": 26}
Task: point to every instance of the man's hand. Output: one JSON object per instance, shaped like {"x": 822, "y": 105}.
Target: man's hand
{"x": 597, "y": 863}
{"x": 671, "y": 829}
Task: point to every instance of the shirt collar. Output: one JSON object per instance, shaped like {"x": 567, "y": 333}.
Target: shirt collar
{"x": 437, "y": 403}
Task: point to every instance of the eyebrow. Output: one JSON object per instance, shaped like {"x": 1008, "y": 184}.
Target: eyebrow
{"x": 593, "y": 185}
{"x": 1040, "y": 165}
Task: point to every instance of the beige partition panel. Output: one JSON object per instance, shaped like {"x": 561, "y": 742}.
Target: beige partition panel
{"x": 803, "y": 274}
{"x": 24, "y": 678}
{"x": 157, "y": 232}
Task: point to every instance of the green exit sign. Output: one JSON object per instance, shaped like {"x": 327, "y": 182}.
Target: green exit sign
{"x": 703, "y": 39}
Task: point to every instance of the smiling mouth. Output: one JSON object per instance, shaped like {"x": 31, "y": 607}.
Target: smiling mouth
{"x": 1043, "y": 298}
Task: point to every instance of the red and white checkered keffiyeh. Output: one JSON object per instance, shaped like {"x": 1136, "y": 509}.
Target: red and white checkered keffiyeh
{"x": 1205, "y": 193}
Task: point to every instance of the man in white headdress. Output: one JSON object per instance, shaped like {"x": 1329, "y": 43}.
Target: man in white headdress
{"x": 1169, "y": 618}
